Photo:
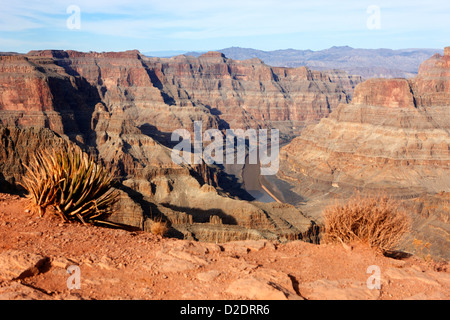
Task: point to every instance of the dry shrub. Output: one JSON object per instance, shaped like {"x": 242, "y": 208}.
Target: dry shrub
{"x": 378, "y": 221}
{"x": 159, "y": 228}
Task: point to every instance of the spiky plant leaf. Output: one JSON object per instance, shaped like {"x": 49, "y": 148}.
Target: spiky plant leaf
{"x": 72, "y": 182}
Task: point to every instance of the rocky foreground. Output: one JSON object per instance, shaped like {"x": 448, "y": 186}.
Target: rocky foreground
{"x": 117, "y": 264}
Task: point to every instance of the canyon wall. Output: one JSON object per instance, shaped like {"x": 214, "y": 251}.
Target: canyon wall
{"x": 394, "y": 134}
{"x": 251, "y": 94}
{"x": 393, "y": 138}
{"x": 122, "y": 107}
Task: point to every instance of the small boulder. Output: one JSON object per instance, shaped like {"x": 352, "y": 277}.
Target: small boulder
{"x": 16, "y": 264}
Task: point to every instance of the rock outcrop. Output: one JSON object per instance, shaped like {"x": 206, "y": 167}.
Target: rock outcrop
{"x": 393, "y": 138}
{"x": 62, "y": 89}
{"x": 122, "y": 84}
{"x": 119, "y": 106}
{"x": 251, "y": 94}
{"x": 153, "y": 187}
{"x": 18, "y": 146}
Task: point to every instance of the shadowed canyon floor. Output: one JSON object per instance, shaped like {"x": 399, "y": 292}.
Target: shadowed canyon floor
{"x": 116, "y": 264}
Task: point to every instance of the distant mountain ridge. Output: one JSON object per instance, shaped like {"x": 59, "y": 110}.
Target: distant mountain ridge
{"x": 368, "y": 63}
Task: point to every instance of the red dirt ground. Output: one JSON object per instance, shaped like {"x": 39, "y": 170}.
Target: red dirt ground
{"x": 118, "y": 264}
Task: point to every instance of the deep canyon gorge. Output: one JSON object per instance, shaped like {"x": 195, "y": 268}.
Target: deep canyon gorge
{"x": 340, "y": 134}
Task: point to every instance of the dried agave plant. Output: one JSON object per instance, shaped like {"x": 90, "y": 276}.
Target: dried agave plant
{"x": 72, "y": 183}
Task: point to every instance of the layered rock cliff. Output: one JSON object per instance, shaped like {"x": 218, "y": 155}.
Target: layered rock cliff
{"x": 251, "y": 94}
{"x": 124, "y": 85}
{"x": 117, "y": 106}
{"x": 61, "y": 90}
{"x": 393, "y": 138}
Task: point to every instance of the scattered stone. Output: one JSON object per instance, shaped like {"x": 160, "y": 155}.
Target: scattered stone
{"x": 169, "y": 263}
{"x": 338, "y": 290}
{"x": 15, "y": 264}
{"x": 398, "y": 263}
{"x": 259, "y": 289}
{"x": 410, "y": 274}
{"x": 187, "y": 256}
{"x": 346, "y": 246}
{"x": 212, "y": 247}
{"x": 106, "y": 263}
{"x": 208, "y": 188}
{"x": 244, "y": 247}
{"x": 432, "y": 296}
{"x": 208, "y": 275}
{"x": 18, "y": 291}
{"x": 62, "y": 262}
{"x": 32, "y": 233}
{"x": 442, "y": 277}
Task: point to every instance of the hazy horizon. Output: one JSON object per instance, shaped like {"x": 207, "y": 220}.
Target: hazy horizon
{"x": 169, "y": 53}
{"x": 179, "y": 52}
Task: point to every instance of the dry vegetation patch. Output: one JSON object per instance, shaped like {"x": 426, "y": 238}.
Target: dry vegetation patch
{"x": 378, "y": 221}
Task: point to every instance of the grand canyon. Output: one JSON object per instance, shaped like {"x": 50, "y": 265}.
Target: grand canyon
{"x": 341, "y": 134}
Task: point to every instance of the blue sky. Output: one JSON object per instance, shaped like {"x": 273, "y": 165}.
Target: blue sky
{"x": 201, "y": 25}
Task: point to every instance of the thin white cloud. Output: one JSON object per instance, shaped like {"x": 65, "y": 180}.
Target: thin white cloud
{"x": 206, "y": 19}
{"x": 247, "y": 20}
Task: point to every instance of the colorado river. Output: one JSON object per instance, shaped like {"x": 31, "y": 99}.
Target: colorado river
{"x": 262, "y": 188}
{"x": 252, "y": 184}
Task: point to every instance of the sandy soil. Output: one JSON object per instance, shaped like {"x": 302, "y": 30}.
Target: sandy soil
{"x": 118, "y": 264}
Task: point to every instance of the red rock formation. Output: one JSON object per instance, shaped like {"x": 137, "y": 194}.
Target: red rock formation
{"x": 431, "y": 84}
{"x": 162, "y": 95}
{"x": 395, "y": 93}
{"x": 393, "y": 138}
{"x": 23, "y": 86}
{"x": 250, "y": 94}
{"x": 116, "y": 104}
{"x": 126, "y": 86}
{"x": 389, "y": 135}
{"x": 17, "y": 147}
